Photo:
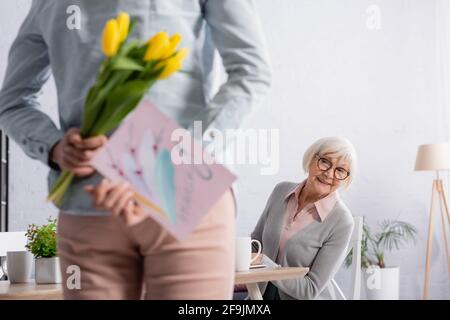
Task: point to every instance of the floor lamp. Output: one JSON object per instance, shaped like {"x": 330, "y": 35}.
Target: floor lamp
{"x": 435, "y": 157}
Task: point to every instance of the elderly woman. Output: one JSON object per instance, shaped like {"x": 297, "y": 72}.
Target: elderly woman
{"x": 307, "y": 224}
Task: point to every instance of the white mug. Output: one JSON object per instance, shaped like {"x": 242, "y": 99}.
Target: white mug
{"x": 244, "y": 253}
{"x": 19, "y": 266}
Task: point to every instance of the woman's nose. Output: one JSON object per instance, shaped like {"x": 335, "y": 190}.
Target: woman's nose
{"x": 329, "y": 173}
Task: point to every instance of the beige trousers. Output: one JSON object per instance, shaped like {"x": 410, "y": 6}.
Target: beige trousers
{"x": 143, "y": 261}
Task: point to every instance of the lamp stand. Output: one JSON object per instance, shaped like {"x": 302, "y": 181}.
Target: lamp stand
{"x": 438, "y": 189}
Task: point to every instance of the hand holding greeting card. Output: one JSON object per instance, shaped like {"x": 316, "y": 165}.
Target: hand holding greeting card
{"x": 176, "y": 194}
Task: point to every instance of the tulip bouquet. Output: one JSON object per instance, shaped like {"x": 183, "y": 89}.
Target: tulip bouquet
{"x": 127, "y": 73}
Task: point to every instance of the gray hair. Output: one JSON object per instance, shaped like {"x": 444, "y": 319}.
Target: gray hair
{"x": 338, "y": 147}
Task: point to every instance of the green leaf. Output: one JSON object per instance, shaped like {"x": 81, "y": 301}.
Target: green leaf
{"x": 121, "y": 101}
{"x": 118, "y": 116}
{"x": 42, "y": 240}
{"x": 125, "y": 63}
{"x": 127, "y": 47}
{"x": 139, "y": 52}
{"x": 94, "y": 110}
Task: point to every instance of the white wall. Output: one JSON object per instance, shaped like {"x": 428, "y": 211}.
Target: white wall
{"x": 332, "y": 76}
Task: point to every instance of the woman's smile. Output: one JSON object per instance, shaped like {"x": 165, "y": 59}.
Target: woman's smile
{"x": 322, "y": 181}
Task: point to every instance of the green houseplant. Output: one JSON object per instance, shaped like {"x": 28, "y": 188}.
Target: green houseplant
{"x": 42, "y": 239}
{"x": 382, "y": 281}
{"x": 42, "y": 244}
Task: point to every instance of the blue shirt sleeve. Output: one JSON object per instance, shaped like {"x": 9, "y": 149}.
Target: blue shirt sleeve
{"x": 237, "y": 34}
{"x": 28, "y": 70}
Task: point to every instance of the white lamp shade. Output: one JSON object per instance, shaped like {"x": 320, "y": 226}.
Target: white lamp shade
{"x": 433, "y": 157}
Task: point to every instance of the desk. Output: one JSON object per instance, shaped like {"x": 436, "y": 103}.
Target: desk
{"x": 253, "y": 276}
{"x": 30, "y": 291}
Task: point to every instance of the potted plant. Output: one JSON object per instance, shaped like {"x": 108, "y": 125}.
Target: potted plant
{"x": 381, "y": 280}
{"x": 42, "y": 244}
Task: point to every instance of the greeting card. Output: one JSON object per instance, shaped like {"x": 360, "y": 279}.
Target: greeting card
{"x": 175, "y": 184}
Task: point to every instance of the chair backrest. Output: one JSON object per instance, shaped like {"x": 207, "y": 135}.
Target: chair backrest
{"x": 355, "y": 268}
{"x": 12, "y": 241}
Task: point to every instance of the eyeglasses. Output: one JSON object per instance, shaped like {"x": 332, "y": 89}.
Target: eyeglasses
{"x": 325, "y": 165}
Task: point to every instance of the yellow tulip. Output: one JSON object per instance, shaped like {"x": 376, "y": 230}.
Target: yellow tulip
{"x": 157, "y": 46}
{"x": 182, "y": 54}
{"x": 172, "y": 48}
{"x": 123, "y": 19}
{"x": 171, "y": 67}
{"x": 173, "y": 64}
{"x": 111, "y": 38}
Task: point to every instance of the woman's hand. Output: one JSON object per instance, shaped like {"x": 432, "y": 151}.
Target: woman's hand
{"x": 119, "y": 199}
{"x": 74, "y": 154}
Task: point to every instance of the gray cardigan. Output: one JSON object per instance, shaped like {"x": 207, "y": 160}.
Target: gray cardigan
{"x": 321, "y": 246}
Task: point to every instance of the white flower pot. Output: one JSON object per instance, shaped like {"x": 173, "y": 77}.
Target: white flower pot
{"x": 47, "y": 270}
{"x": 382, "y": 283}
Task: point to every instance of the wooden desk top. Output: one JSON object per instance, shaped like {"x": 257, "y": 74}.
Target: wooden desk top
{"x": 30, "y": 291}
{"x": 269, "y": 274}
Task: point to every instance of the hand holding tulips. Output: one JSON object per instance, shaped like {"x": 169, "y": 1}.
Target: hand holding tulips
{"x": 72, "y": 153}
{"x": 127, "y": 73}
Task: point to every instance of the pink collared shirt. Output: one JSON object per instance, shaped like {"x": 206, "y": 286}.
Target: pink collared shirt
{"x": 317, "y": 211}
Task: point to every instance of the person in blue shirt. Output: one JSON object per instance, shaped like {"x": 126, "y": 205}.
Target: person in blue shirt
{"x": 116, "y": 259}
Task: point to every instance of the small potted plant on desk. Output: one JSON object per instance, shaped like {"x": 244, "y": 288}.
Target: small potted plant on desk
{"x": 42, "y": 244}
{"x": 382, "y": 281}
